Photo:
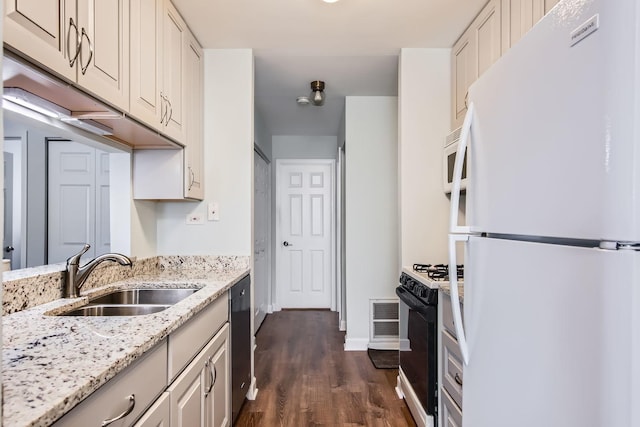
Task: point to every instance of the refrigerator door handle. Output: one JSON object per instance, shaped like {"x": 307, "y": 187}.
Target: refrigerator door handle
{"x": 455, "y": 300}
{"x": 457, "y": 174}
{"x": 458, "y": 233}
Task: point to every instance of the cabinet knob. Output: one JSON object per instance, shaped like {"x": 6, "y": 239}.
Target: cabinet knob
{"x": 286, "y": 244}
{"x": 9, "y": 249}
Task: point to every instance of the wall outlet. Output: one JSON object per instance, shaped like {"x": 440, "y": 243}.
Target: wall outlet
{"x": 195, "y": 218}
{"x": 213, "y": 211}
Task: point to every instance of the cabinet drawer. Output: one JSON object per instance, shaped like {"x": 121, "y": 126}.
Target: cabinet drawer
{"x": 451, "y": 413}
{"x": 447, "y": 314}
{"x": 187, "y": 341}
{"x": 452, "y": 367}
{"x": 146, "y": 379}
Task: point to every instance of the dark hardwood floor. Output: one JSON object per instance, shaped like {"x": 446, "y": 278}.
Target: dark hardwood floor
{"x": 305, "y": 378}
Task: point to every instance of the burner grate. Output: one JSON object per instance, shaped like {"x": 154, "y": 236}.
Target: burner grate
{"x": 438, "y": 271}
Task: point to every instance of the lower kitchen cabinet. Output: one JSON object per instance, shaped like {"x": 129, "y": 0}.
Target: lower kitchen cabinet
{"x": 200, "y": 395}
{"x": 194, "y": 362}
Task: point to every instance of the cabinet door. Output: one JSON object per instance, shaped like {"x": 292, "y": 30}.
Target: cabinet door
{"x": 146, "y": 61}
{"x": 174, "y": 45}
{"x": 549, "y": 4}
{"x": 217, "y": 402}
{"x": 194, "y": 147}
{"x": 159, "y": 415}
{"x": 463, "y": 65}
{"x": 187, "y": 393}
{"x": 487, "y": 27}
{"x": 103, "y": 64}
{"x": 518, "y": 17}
{"x": 41, "y": 30}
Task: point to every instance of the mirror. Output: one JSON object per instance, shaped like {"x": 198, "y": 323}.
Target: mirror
{"x": 58, "y": 186}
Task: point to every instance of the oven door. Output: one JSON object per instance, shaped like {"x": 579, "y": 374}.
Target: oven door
{"x": 419, "y": 347}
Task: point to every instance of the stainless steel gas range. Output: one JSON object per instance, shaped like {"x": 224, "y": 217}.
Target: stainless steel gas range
{"x": 418, "y": 377}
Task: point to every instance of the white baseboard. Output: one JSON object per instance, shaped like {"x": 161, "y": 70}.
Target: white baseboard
{"x": 252, "y": 393}
{"x": 356, "y": 344}
{"x": 399, "y": 392}
{"x": 343, "y": 326}
{"x": 384, "y": 345}
{"x": 419, "y": 415}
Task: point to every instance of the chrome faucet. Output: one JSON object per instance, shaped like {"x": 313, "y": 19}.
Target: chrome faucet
{"x": 76, "y": 275}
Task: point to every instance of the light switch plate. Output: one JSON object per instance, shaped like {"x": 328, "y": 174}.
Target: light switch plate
{"x": 195, "y": 218}
{"x": 213, "y": 211}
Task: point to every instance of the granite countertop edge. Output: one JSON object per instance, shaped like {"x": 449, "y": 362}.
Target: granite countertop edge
{"x": 74, "y": 356}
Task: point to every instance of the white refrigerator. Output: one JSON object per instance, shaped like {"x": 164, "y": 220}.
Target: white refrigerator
{"x": 551, "y": 330}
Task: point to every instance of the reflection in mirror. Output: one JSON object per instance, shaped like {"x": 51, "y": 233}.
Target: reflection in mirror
{"x": 57, "y": 188}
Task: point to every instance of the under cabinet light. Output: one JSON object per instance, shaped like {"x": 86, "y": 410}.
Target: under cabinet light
{"x": 34, "y": 102}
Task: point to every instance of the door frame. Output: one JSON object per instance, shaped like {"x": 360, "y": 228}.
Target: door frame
{"x": 277, "y": 306}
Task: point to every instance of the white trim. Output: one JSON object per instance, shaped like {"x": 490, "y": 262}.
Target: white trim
{"x": 339, "y": 236}
{"x": 252, "y": 393}
{"x": 384, "y": 345}
{"x": 419, "y": 415}
{"x": 356, "y": 344}
{"x": 343, "y": 325}
{"x": 292, "y": 162}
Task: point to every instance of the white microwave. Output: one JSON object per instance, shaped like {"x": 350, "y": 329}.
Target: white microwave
{"x": 449, "y": 161}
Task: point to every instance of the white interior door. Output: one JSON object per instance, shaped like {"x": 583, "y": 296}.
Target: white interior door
{"x": 77, "y": 191}
{"x": 262, "y": 219}
{"x": 305, "y": 233}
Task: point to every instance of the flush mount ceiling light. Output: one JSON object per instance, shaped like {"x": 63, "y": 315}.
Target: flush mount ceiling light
{"x": 317, "y": 95}
{"x": 329, "y": 1}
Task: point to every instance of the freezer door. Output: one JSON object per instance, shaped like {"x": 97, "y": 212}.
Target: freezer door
{"x": 555, "y": 138}
{"x": 553, "y": 335}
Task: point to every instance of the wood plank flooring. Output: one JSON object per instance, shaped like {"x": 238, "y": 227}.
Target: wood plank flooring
{"x": 305, "y": 378}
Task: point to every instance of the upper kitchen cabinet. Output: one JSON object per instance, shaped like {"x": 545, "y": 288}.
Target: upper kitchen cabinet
{"x": 518, "y": 17}
{"x": 45, "y": 31}
{"x": 175, "y": 45}
{"x": 474, "y": 52}
{"x": 159, "y": 46}
{"x": 464, "y": 73}
{"x": 85, "y": 42}
{"x": 194, "y": 156}
{"x": 146, "y": 103}
{"x": 103, "y": 62}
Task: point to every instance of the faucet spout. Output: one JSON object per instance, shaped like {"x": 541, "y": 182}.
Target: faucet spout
{"x": 76, "y": 276}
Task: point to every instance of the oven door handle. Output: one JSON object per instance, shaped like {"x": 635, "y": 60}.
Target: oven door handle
{"x": 429, "y": 312}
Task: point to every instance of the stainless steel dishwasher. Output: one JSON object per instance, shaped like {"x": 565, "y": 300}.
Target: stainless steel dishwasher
{"x": 240, "y": 314}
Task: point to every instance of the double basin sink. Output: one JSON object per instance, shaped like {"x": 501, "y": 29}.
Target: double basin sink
{"x": 131, "y": 302}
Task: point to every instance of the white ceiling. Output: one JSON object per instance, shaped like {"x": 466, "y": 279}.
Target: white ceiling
{"x": 351, "y": 45}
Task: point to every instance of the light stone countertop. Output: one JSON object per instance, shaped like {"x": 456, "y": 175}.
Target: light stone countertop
{"x": 50, "y": 363}
{"x": 446, "y": 288}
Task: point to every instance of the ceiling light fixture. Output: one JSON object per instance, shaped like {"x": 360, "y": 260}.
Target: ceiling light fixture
{"x": 303, "y": 100}
{"x": 317, "y": 93}
{"x": 329, "y": 1}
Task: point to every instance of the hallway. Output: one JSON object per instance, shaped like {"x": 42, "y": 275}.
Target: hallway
{"x": 305, "y": 378}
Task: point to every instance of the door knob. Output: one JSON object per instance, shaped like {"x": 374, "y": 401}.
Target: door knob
{"x": 9, "y": 249}
{"x": 285, "y": 243}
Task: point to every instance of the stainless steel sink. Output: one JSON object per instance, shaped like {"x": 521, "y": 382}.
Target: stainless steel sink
{"x": 132, "y": 302}
{"x": 144, "y": 296}
{"x": 116, "y": 310}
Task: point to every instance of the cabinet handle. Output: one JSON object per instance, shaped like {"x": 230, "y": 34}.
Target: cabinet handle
{"x": 466, "y": 100}
{"x": 170, "y": 112}
{"x": 73, "y": 60}
{"x": 458, "y": 379}
{"x": 85, "y": 67}
{"x": 163, "y": 108}
{"x": 207, "y": 365}
{"x": 132, "y": 404}
{"x": 192, "y": 177}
